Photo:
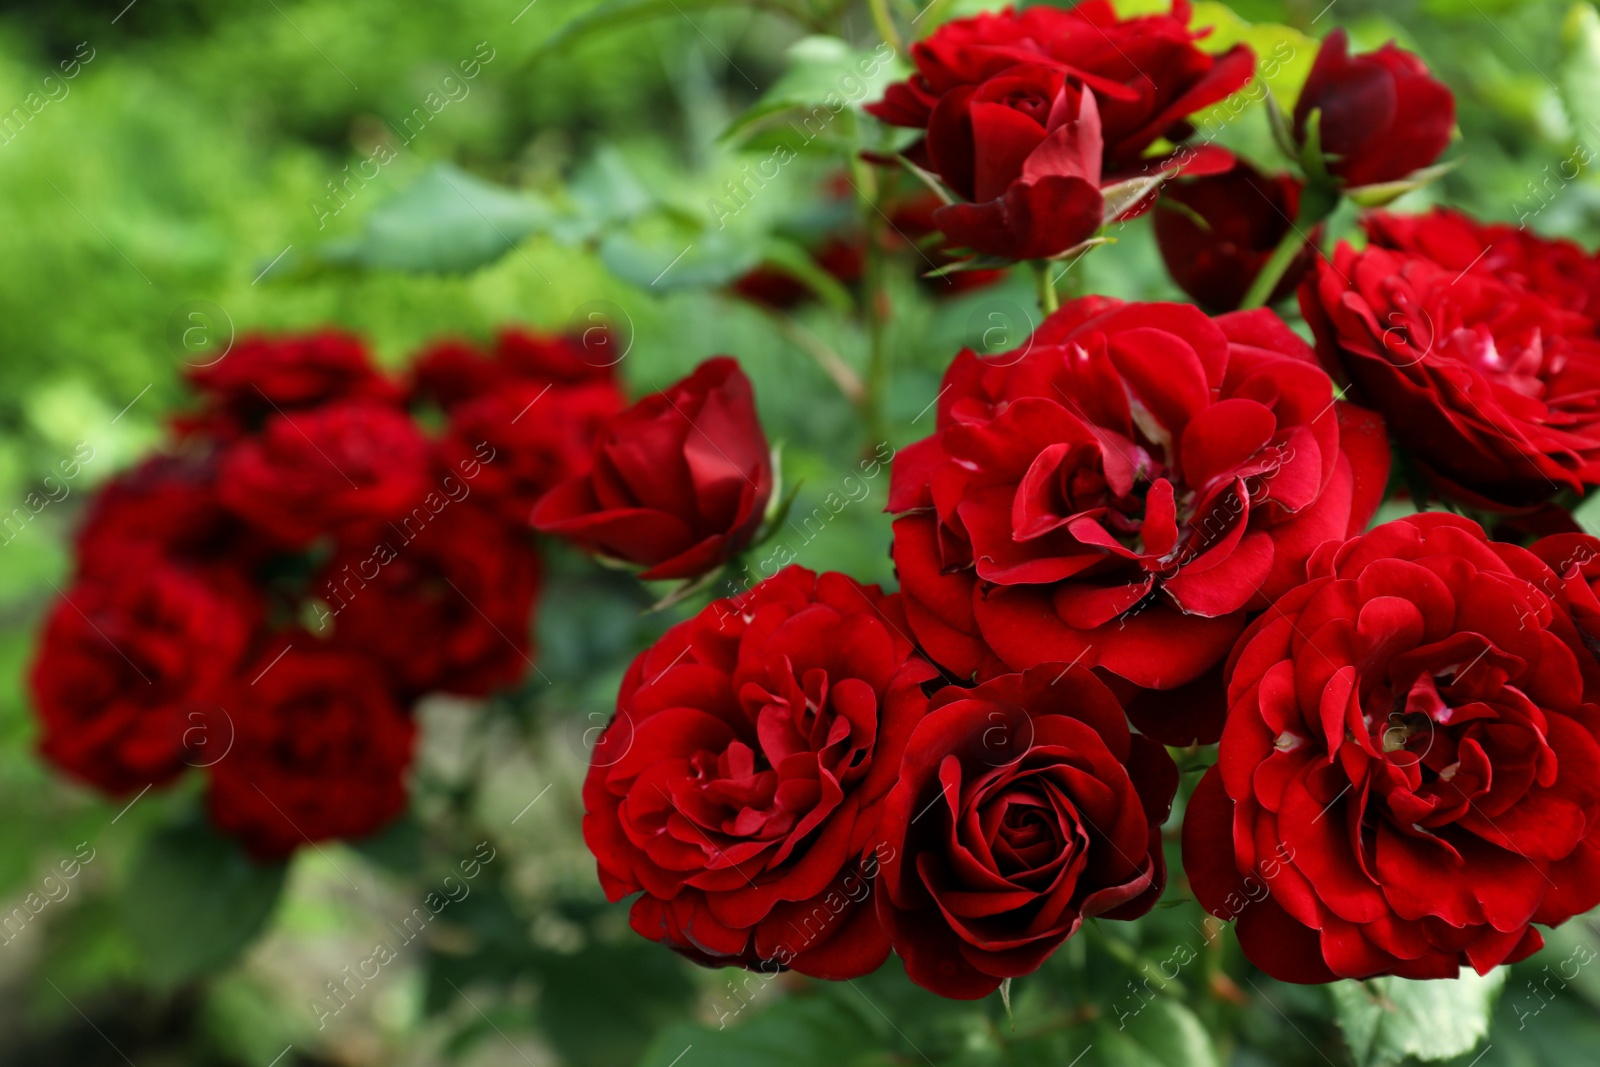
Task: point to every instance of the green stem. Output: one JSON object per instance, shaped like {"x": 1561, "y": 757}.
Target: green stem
{"x": 1048, "y": 300}
{"x": 1316, "y": 204}
{"x": 875, "y": 394}
{"x": 884, "y": 23}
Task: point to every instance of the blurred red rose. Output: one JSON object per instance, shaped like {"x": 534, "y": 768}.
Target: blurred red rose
{"x": 740, "y": 783}
{"x": 1217, "y": 232}
{"x": 679, "y": 482}
{"x": 265, "y": 375}
{"x": 1411, "y": 770}
{"x": 1493, "y": 390}
{"x": 1555, "y": 268}
{"x": 453, "y": 371}
{"x": 1382, "y": 114}
{"x": 1120, "y": 491}
{"x": 442, "y": 601}
{"x": 326, "y": 470}
{"x": 1089, "y": 43}
{"x": 320, "y": 750}
{"x": 168, "y": 504}
{"x": 1024, "y": 147}
{"x": 1023, "y": 807}
{"x": 131, "y": 658}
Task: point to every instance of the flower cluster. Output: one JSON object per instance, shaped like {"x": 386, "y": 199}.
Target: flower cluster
{"x": 268, "y": 600}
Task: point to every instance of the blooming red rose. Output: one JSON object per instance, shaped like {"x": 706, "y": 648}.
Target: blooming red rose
{"x": 1024, "y": 147}
{"x": 739, "y": 785}
{"x": 1023, "y": 806}
{"x": 441, "y": 600}
{"x": 1410, "y": 774}
{"x": 679, "y": 482}
{"x": 1122, "y": 490}
{"x": 168, "y": 504}
{"x": 1146, "y": 71}
{"x": 321, "y": 750}
{"x": 1555, "y": 268}
{"x": 449, "y": 372}
{"x": 131, "y": 659}
{"x": 1495, "y": 391}
{"x": 261, "y": 376}
{"x": 1217, "y": 232}
{"x": 1382, "y": 114}
{"x": 325, "y": 470}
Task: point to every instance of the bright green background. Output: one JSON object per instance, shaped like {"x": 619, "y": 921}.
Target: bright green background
{"x": 191, "y": 150}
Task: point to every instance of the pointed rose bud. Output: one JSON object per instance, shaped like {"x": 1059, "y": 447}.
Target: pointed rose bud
{"x": 680, "y": 481}
{"x": 1381, "y": 115}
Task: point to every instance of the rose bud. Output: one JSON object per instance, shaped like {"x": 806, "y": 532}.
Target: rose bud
{"x": 1555, "y": 268}
{"x": 1382, "y": 115}
{"x": 739, "y": 786}
{"x": 320, "y": 750}
{"x": 1218, "y": 231}
{"x": 1023, "y": 807}
{"x": 1122, "y": 491}
{"x": 1410, "y": 775}
{"x": 679, "y": 482}
{"x": 1495, "y": 392}
{"x": 129, "y": 658}
{"x": 326, "y": 470}
{"x": 1108, "y": 54}
{"x": 261, "y": 376}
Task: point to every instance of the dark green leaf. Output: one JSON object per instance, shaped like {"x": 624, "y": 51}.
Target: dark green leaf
{"x": 194, "y": 900}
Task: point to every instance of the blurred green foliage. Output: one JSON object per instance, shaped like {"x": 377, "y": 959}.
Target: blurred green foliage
{"x": 211, "y": 169}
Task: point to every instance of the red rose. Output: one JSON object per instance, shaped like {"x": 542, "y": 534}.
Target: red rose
{"x": 442, "y": 600}
{"x": 452, "y": 371}
{"x": 130, "y": 661}
{"x": 740, "y": 783}
{"x": 1122, "y": 490}
{"x": 1024, "y": 147}
{"x": 910, "y": 227}
{"x": 1555, "y": 268}
{"x": 261, "y": 376}
{"x": 1411, "y": 770}
{"x": 679, "y": 481}
{"x": 524, "y": 438}
{"x": 1217, "y": 232}
{"x": 1575, "y": 560}
{"x": 1383, "y": 114}
{"x": 326, "y": 469}
{"x": 169, "y": 505}
{"x": 1023, "y": 806}
{"x": 1146, "y": 71}
{"x": 320, "y": 750}
{"x": 1495, "y": 391}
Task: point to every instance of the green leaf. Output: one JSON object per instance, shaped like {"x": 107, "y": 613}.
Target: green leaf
{"x": 1163, "y": 1033}
{"x": 825, "y": 77}
{"x": 1283, "y": 55}
{"x": 1386, "y": 1019}
{"x": 447, "y": 221}
{"x": 1580, "y": 67}
{"x": 194, "y": 900}
{"x": 617, "y": 13}
{"x": 790, "y": 1033}
{"x": 707, "y": 260}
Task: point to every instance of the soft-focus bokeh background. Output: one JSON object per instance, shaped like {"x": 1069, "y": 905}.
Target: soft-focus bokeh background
{"x": 176, "y": 190}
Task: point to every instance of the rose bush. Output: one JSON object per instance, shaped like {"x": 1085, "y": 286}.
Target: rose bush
{"x": 1413, "y": 741}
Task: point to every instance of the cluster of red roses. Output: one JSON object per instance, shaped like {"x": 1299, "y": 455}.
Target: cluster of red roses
{"x": 1150, "y": 514}
{"x": 267, "y": 600}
